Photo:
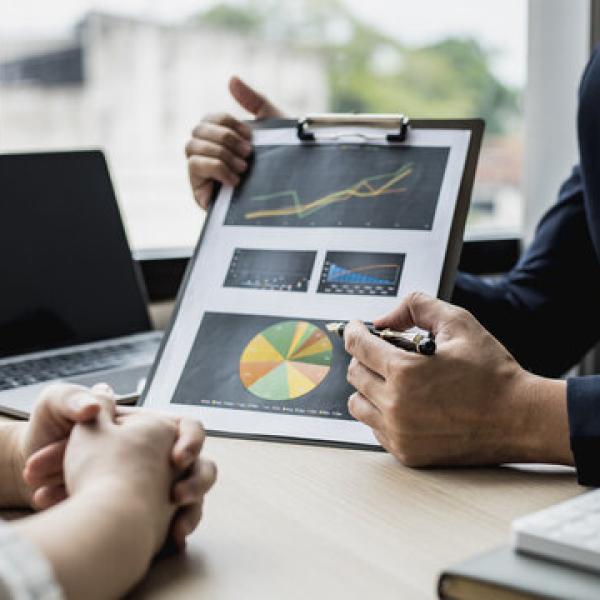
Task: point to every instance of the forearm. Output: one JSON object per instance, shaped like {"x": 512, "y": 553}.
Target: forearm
{"x": 98, "y": 541}
{"x": 13, "y": 491}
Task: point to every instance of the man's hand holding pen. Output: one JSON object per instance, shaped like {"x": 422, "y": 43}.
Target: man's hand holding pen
{"x": 470, "y": 403}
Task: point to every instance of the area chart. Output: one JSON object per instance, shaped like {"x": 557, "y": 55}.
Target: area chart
{"x": 361, "y": 273}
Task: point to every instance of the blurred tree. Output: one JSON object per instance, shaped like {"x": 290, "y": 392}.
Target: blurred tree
{"x": 370, "y": 71}
{"x": 233, "y": 18}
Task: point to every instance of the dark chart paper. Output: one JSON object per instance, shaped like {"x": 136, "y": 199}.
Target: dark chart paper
{"x": 338, "y": 185}
{"x": 280, "y": 365}
{"x": 281, "y": 270}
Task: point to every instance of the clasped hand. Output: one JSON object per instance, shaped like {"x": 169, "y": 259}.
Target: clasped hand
{"x": 78, "y": 438}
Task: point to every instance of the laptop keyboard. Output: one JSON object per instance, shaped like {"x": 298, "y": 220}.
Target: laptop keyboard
{"x": 43, "y": 369}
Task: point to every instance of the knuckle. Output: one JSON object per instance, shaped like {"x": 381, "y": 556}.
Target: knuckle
{"x": 221, "y": 170}
{"x": 189, "y": 147}
{"x": 213, "y": 472}
{"x": 353, "y": 403}
{"x": 229, "y": 138}
{"x": 213, "y": 165}
{"x": 210, "y": 117}
{"x": 200, "y": 431}
{"x": 352, "y": 370}
{"x": 223, "y": 118}
{"x": 461, "y": 312}
{"x": 461, "y": 316}
{"x": 350, "y": 341}
{"x": 172, "y": 426}
{"x": 222, "y": 153}
{"x": 392, "y": 409}
{"x": 195, "y": 162}
{"x": 395, "y": 368}
{"x": 199, "y": 129}
{"x": 415, "y": 296}
{"x": 193, "y": 486}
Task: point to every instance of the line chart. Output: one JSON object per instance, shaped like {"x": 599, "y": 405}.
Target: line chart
{"x": 365, "y": 188}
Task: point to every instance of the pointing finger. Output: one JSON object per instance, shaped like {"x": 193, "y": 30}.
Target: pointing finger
{"x": 251, "y": 100}
{"x": 368, "y": 349}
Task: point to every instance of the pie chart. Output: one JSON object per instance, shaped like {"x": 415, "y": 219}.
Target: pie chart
{"x": 286, "y": 360}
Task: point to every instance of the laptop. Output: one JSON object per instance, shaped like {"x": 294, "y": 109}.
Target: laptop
{"x": 72, "y": 302}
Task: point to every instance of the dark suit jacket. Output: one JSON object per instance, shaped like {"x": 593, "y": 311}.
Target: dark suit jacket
{"x": 546, "y": 311}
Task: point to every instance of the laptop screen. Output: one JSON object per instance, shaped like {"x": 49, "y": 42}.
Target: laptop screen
{"x": 66, "y": 272}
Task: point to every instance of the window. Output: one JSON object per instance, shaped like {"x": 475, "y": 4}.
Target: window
{"x": 135, "y": 78}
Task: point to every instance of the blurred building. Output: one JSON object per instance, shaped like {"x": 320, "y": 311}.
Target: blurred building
{"x": 136, "y": 88}
{"x": 497, "y": 202}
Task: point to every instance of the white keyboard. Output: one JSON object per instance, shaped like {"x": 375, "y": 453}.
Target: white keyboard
{"x": 568, "y": 532}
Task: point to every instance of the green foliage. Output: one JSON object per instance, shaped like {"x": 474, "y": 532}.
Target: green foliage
{"x": 372, "y": 72}
{"x": 232, "y": 18}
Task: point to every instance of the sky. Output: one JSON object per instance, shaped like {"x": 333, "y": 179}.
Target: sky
{"x": 499, "y": 24}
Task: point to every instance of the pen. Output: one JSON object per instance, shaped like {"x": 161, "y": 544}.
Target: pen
{"x": 418, "y": 342}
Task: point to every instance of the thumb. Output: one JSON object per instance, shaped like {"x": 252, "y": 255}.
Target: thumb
{"x": 252, "y": 101}
{"x": 418, "y": 310}
{"x": 105, "y": 397}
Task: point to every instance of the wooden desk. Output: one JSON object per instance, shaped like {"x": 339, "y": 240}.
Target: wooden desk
{"x": 289, "y": 521}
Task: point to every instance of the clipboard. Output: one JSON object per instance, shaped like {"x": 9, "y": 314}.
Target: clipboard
{"x": 170, "y": 369}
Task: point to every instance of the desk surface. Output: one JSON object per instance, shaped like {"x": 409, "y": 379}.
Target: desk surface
{"x": 291, "y": 521}
{"x": 303, "y": 522}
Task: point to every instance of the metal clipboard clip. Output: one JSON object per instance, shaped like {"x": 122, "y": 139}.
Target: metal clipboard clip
{"x": 384, "y": 121}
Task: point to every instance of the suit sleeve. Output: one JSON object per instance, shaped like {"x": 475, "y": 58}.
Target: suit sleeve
{"x": 546, "y": 311}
